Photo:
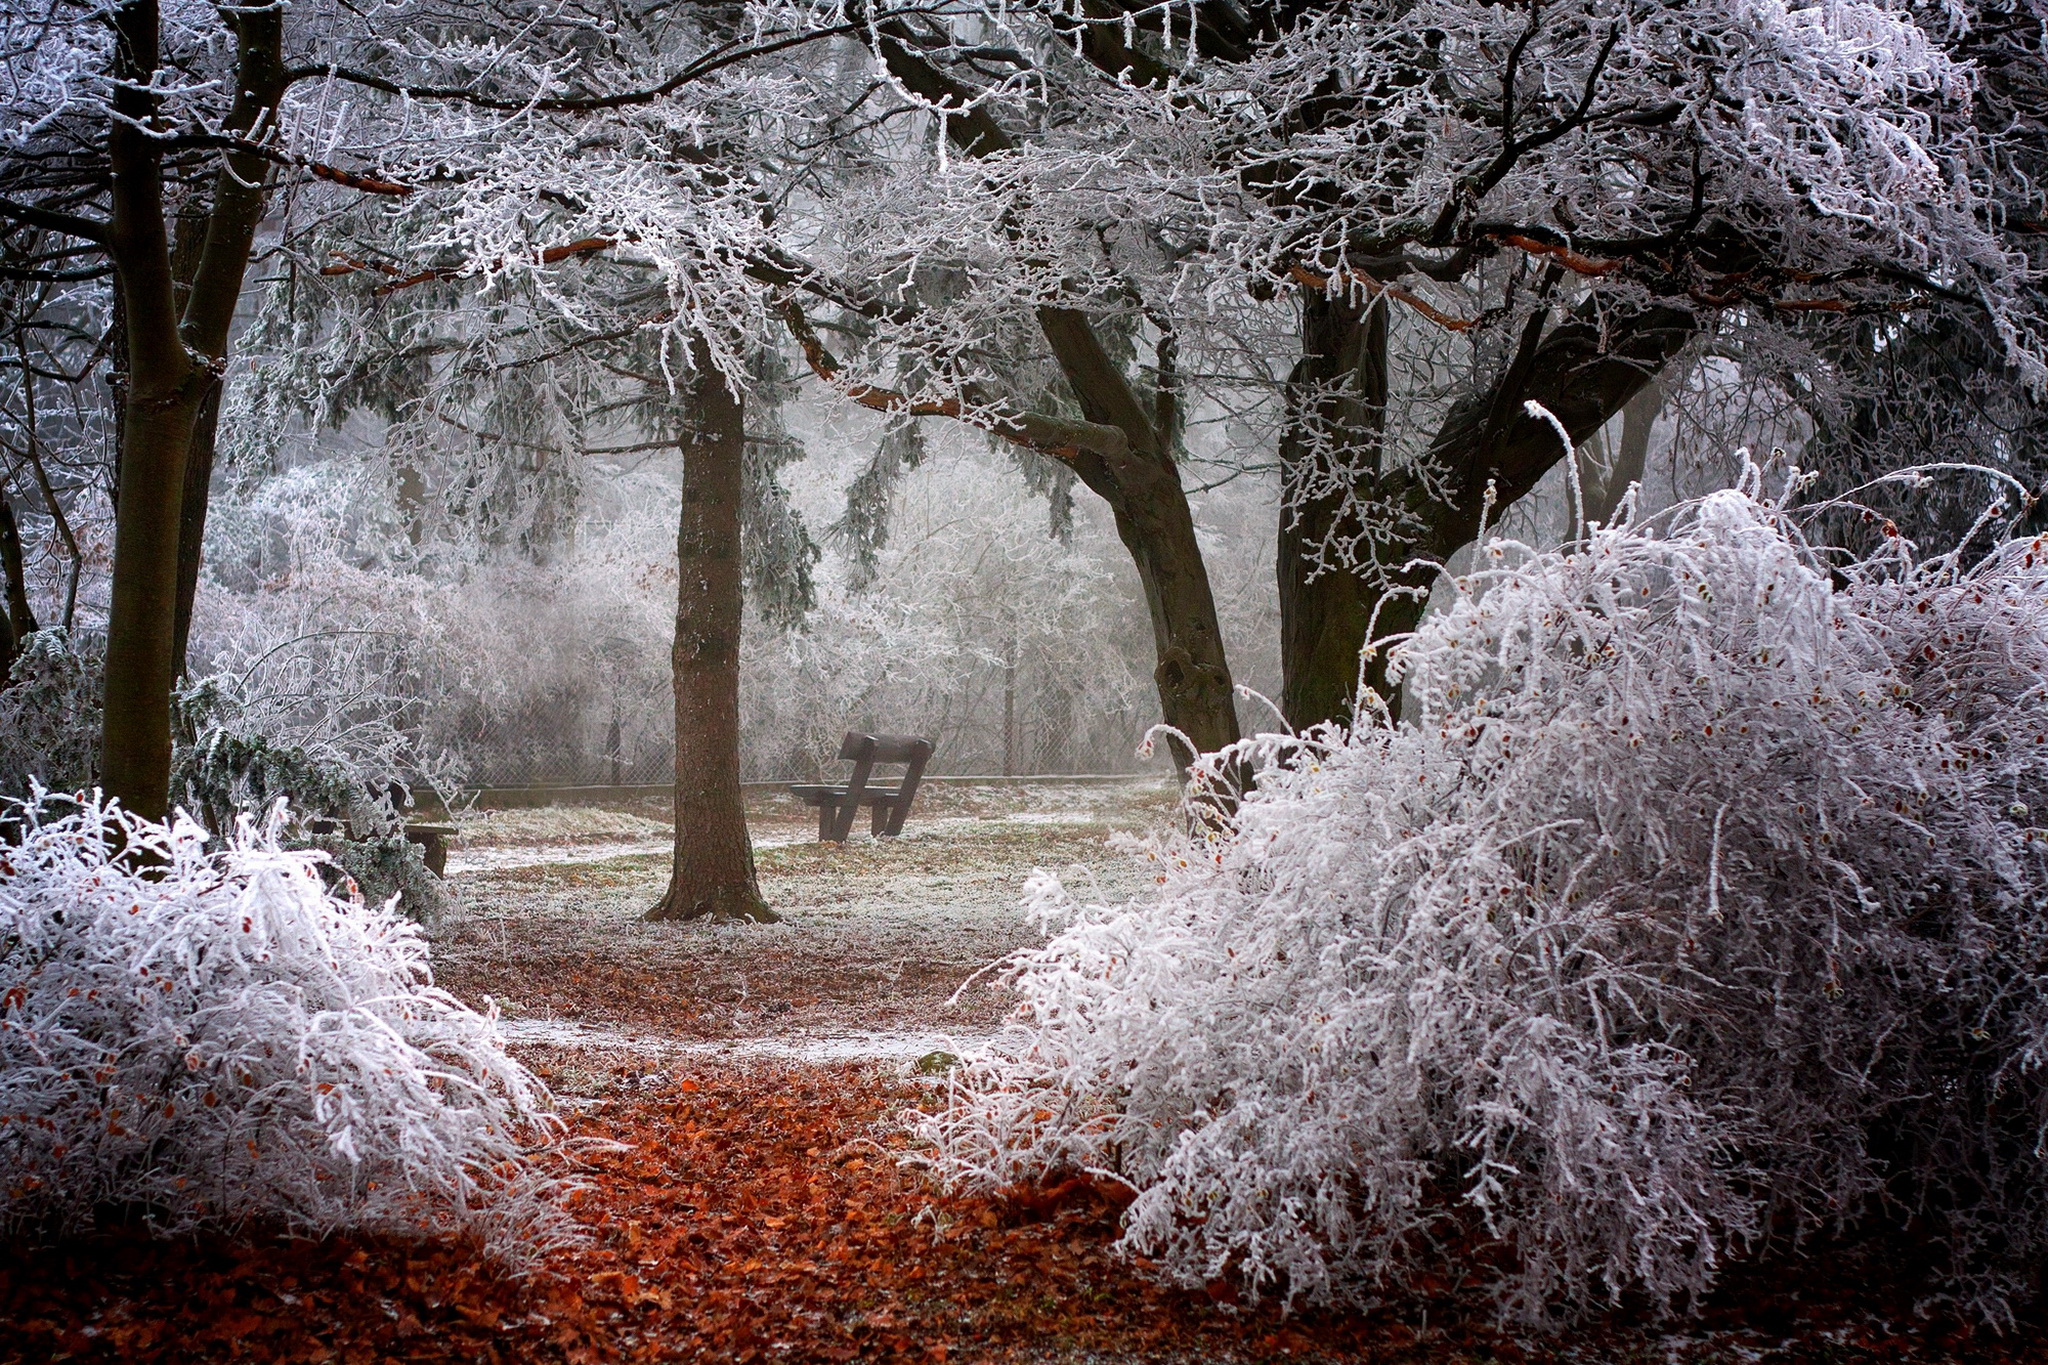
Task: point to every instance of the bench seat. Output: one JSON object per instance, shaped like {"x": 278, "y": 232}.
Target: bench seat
{"x": 811, "y": 793}
{"x": 433, "y": 841}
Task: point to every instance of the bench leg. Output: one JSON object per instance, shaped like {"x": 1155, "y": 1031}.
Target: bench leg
{"x": 896, "y": 814}
{"x": 842, "y": 820}
{"x": 433, "y": 850}
{"x": 828, "y": 816}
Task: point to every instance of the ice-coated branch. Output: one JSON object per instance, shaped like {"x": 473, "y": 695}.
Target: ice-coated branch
{"x": 1059, "y": 436}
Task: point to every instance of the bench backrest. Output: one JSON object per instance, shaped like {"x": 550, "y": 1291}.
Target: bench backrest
{"x": 884, "y": 748}
{"x": 866, "y": 751}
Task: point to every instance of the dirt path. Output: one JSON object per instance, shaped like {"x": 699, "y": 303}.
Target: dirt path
{"x": 876, "y": 937}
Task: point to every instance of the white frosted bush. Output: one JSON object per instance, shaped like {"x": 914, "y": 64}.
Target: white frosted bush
{"x": 1699, "y": 899}
{"x": 218, "y": 1040}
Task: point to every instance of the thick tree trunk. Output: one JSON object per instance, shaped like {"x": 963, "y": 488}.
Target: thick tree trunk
{"x": 1144, "y": 493}
{"x": 1192, "y": 676}
{"x": 175, "y": 356}
{"x": 713, "y": 872}
{"x": 17, "y": 621}
{"x": 135, "y": 762}
{"x": 165, "y": 384}
{"x": 1584, "y": 370}
{"x": 1336, "y": 412}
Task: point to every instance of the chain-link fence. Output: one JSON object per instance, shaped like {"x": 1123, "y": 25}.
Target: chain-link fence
{"x": 1020, "y": 720}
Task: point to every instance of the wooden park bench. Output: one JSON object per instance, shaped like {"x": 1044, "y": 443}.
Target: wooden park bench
{"x": 432, "y": 839}
{"x": 836, "y": 805}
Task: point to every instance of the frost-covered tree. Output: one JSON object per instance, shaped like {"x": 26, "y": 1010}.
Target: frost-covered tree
{"x": 1453, "y": 208}
{"x": 1591, "y": 187}
{"x": 974, "y": 307}
{"x": 145, "y": 141}
{"x": 591, "y": 276}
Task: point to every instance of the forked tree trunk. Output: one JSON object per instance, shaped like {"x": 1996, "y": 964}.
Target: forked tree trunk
{"x": 1584, "y": 370}
{"x": 713, "y": 871}
{"x": 175, "y": 354}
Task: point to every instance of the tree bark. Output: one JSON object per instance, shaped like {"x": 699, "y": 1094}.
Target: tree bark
{"x": 1584, "y": 370}
{"x": 1336, "y": 408}
{"x": 17, "y": 622}
{"x": 192, "y": 506}
{"x": 1144, "y": 493}
{"x": 713, "y": 871}
{"x": 175, "y": 355}
{"x": 188, "y": 248}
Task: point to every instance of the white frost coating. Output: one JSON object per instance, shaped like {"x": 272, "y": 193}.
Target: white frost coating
{"x": 1698, "y": 885}
{"x": 224, "y": 1041}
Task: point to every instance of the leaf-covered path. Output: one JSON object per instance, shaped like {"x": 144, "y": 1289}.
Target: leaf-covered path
{"x": 748, "y": 1202}
{"x": 759, "y": 1214}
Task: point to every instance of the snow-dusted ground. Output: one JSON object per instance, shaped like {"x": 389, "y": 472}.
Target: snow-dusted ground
{"x": 500, "y": 856}
{"x": 876, "y": 939}
{"x": 515, "y": 855}
{"x": 543, "y": 855}
{"x": 886, "y": 1045}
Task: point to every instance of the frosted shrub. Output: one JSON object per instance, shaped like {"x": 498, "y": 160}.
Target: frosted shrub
{"x": 222, "y": 1041}
{"x": 1700, "y": 899}
{"x": 223, "y": 767}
